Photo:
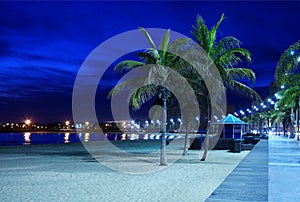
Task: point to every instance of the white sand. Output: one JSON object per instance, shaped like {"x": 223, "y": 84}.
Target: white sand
{"x": 68, "y": 173}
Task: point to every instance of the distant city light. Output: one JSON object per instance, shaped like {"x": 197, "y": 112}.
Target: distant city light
{"x": 67, "y": 123}
{"x": 27, "y": 122}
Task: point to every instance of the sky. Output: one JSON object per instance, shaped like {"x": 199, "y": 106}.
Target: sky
{"x": 43, "y": 44}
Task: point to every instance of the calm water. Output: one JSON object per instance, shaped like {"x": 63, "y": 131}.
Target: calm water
{"x": 56, "y": 138}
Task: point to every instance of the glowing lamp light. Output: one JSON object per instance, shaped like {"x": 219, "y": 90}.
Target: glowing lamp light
{"x": 292, "y": 52}
{"x": 67, "y": 123}
{"x": 298, "y": 59}
{"x": 27, "y": 122}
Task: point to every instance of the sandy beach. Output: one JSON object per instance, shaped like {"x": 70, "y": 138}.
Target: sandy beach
{"x": 67, "y": 172}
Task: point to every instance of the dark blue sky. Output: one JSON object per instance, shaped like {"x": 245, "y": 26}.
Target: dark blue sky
{"x": 43, "y": 44}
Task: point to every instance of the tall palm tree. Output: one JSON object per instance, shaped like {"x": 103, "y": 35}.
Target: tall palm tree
{"x": 287, "y": 75}
{"x": 290, "y": 98}
{"x": 157, "y": 60}
{"x": 279, "y": 116}
{"x": 226, "y": 54}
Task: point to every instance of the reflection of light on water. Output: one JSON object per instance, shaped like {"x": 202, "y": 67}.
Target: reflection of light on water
{"x": 146, "y": 136}
{"x": 86, "y": 137}
{"x": 152, "y": 136}
{"x": 27, "y": 138}
{"x": 134, "y": 137}
{"x": 171, "y": 137}
{"x": 67, "y": 135}
{"x": 123, "y": 136}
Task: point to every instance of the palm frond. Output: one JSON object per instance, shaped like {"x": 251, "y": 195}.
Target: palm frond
{"x": 241, "y": 74}
{"x": 289, "y": 97}
{"x": 201, "y": 33}
{"x": 154, "y": 53}
{"x": 232, "y": 57}
{"x": 148, "y": 37}
{"x": 165, "y": 43}
{"x": 226, "y": 43}
{"x": 142, "y": 95}
{"x": 287, "y": 62}
{"x": 243, "y": 90}
{"x": 213, "y": 33}
{"x": 127, "y": 85}
{"x": 127, "y": 65}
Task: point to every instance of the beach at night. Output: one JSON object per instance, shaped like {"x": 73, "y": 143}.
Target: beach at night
{"x": 67, "y": 172}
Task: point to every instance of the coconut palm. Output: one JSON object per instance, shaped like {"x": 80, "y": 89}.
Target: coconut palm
{"x": 226, "y": 54}
{"x": 287, "y": 76}
{"x": 290, "y": 99}
{"x": 157, "y": 60}
{"x": 279, "y": 116}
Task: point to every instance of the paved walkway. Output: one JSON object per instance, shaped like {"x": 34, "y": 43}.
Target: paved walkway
{"x": 248, "y": 181}
{"x": 270, "y": 172}
{"x": 284, "y": 169}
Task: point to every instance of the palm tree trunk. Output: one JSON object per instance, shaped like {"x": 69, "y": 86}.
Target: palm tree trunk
{"x": 186, "y": 137}
{"x": 284, "y": 128}
{"x": 163, "y": 158}
{"x": 292, "y": 135}
{"x": 297, "y": 118}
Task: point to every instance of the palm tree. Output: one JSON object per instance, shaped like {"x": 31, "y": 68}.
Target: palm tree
{"x": 157, "y": 61}
{"x": 290, "y": 99}
{"x": 226, "y": 54}
{"x": 276, "y": 116}
{"x": 287, "y": 76}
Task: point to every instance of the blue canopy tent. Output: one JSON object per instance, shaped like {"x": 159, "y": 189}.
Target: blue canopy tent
{"x": 232, "y": 126}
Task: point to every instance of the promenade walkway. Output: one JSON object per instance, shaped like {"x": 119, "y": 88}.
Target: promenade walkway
{"x": 270, "y": 172}
{"x": 284, "y": 169}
